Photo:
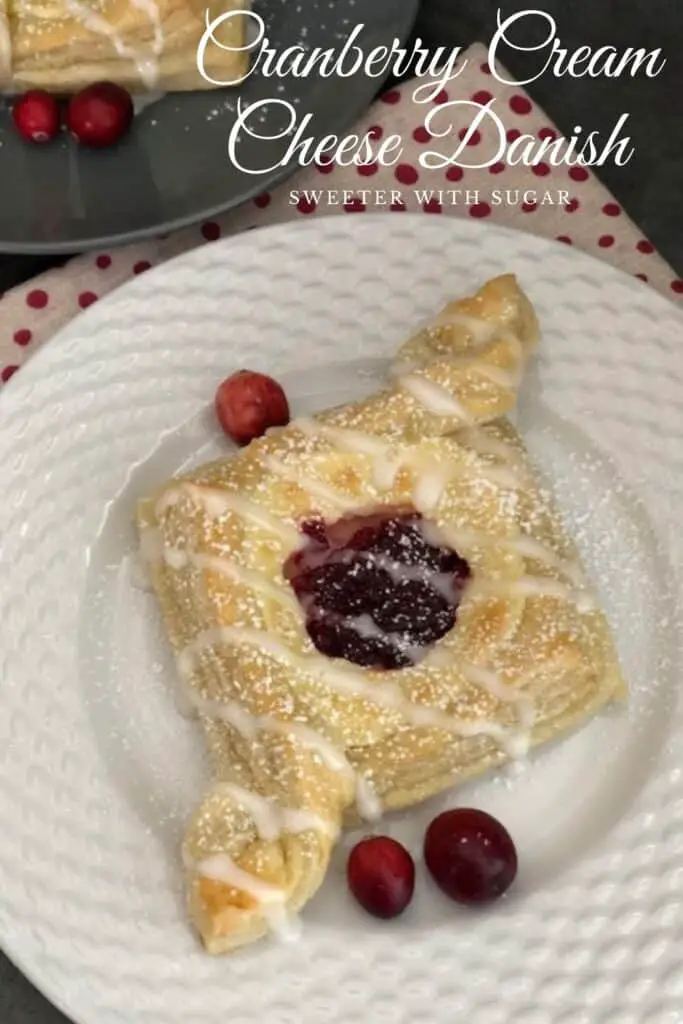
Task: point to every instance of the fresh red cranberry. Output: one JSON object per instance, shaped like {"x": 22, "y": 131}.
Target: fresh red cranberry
{"x": 375, "y": 589}
{"x": 248, "y": 403}
{"x": 381, "y": 876}
{"x": 470, "y": 855}
{"x": 100, "y": 114}
{"x": 36, "y": 116}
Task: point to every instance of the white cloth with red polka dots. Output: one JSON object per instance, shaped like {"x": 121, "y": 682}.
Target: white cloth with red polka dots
{"x": 590, "y": 219}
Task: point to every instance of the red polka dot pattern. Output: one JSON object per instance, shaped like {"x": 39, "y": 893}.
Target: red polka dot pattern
{"x": 37, "y": 298}
{"x": 86, "y": 299}
{"x": 540, "y": 170}
{"x": 480, "y": 210}
{"x": 367, "y": 170}
{"x": 605, "y": 241}
{"x": 141, "y": 266}
{"x": 520, "y": 105}
{"x": 103, "y": 261}
{"x": 483, "y": 97}
{"x": 432, "y": 206}
{"x": 474, "y": 139}
{"x": 454, "y": 173}
{"x": 645, "y": 247}
{"x": 578, "y": 174}
{"x": 391, "y": 96}
{"x": 211, "y": 231}
{"x": 421, "y": 134}
{"x": 356, "y": 205}
{"x": 306, "y": 205}
{"x": 406, "y": 174}
{"x": 260, "y": 202}
{"x": 677, "y": 286}
{"x": 8, "y": 372}
{"x": 611, "y": 209}
{"x": 22, "y": 336}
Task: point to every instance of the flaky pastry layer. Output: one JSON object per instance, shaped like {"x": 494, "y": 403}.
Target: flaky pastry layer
{"x": 63, "y": 45}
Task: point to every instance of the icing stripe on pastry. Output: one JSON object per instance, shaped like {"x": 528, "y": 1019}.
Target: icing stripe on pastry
{"x": 345, "y": 681}
{"x": 216, "y": 503}
{"x": 434, "y": 398}
{"x": 247, "y": 725}
{"x": 147, "y": 64}
{"x": 270, "y": 819}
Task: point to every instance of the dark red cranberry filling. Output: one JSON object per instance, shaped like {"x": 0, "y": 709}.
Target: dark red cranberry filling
{"x": 377, "y": 589}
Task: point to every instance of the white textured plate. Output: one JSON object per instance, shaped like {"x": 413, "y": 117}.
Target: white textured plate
{"x": 97, "y": 768}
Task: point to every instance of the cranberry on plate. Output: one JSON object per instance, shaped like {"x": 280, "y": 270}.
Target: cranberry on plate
{"x": 100, "y": 114}
{"x": 248, "y": 403}
{"x": 36, "y": 116}
{"x": 470, "y": 855}
{"x": 381, "y": 876}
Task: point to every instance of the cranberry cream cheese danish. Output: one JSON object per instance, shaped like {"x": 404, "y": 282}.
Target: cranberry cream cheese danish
{"x": 62, "y": 45}
{"x": 366, "y": 607}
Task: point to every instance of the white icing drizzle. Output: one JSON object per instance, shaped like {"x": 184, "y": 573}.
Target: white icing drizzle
{"x": 270, "y": 819}
{"x": 248, "y": 725}
{"x": 340, "y": 437}
{"x": 435, "y": 398}
{"x": 534, "y": 586}
{"x": 318, "y": 488}
{"x": 180, "y": 558}
{"x": 343, "y": 679}
{"x": 271, "y": 899}
{"x": 431, "y": 479}
{"x": 151, "y": 9}
{"x": 147, "y": 64}
{"x": 485, "y": 444}
{"x": 221, "y": 868}
{"x": 429, "y": 488}
{"x": 216, "y": 503}
{"x": 483, "y": 331}
{"x": 526, "y": 546}
{"x": 526, "y": 712}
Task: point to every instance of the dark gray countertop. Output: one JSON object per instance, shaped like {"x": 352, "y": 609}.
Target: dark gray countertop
{"x": 650, "y": 187}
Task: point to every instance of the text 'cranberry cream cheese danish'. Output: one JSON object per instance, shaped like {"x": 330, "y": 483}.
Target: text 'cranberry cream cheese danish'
{"x": 368, "y": 606}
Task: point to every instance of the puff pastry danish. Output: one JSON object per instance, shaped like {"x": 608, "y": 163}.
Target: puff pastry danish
{"x": 367, "y": 607}
{"x": 62, "y": 45}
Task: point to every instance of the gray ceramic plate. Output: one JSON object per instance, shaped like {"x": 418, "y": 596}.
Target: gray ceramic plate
{"x": 173, "y": 168}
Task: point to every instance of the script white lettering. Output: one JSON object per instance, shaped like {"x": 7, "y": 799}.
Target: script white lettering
{"x": 525, "y": 149}
{"x": 346, "y": 151}
{"x": 605, "y": 60}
